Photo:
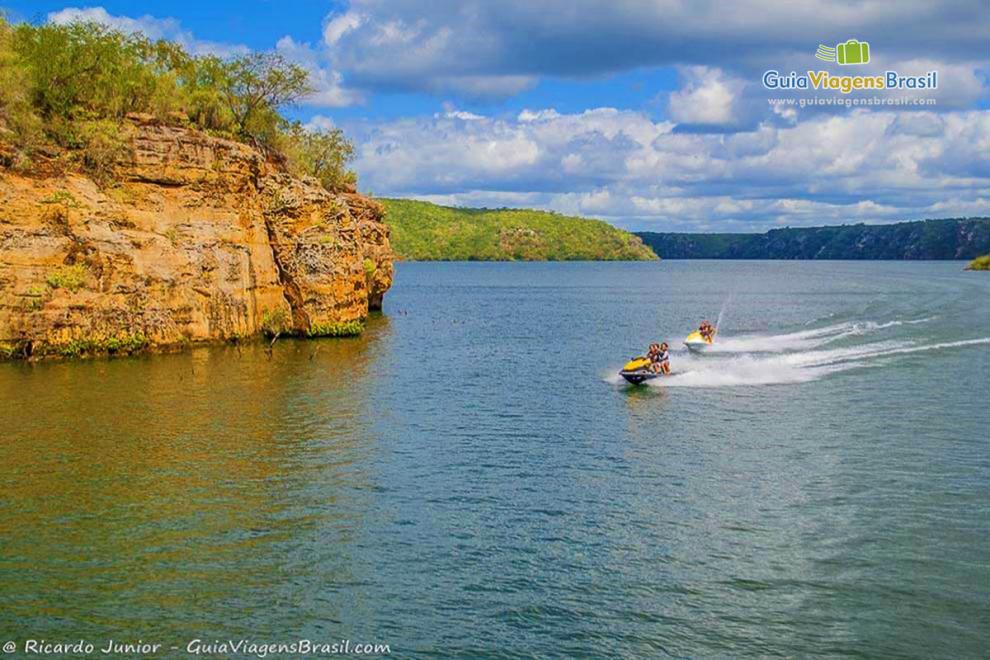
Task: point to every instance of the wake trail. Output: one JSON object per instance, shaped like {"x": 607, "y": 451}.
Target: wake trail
{"x": 798, "y": 357}
{"x": 804, "y": 339}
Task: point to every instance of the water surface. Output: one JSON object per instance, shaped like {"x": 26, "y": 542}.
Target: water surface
{"x": 471, "y": 479}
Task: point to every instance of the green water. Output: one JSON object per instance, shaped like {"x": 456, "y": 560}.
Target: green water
{"x": 471, "y": 479}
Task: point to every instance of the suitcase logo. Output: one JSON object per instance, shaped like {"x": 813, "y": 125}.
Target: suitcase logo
{"x": 852, "y": 51}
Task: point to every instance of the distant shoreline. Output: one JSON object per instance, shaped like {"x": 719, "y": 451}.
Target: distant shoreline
{"x": 947, "y": 239}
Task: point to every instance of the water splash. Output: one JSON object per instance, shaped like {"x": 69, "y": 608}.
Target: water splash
{"x": 804, "y": 339}
{"x": 797, "y": 357}
{"x": 721, "y": 312}
{"x": 797, "y": 366}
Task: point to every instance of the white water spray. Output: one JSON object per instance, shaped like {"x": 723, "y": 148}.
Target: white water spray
{"x": 797, "y": 357}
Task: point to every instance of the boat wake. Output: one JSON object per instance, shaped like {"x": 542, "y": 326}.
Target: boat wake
{"x": 801, "y": 356}
{"x": 804, "y": 339}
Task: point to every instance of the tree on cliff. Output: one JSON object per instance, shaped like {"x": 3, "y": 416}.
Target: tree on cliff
{"x": 256, "y": 86}
{"x": 70, "y": 86}
{"x": 322, "y": 154}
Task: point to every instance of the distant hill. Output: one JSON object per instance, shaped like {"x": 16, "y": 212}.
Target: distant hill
{"x": 427, "y": 232}
{"x": 950, "y": 238}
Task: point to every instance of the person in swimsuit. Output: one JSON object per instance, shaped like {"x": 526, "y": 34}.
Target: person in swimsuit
{"x": 653, "y": 355}
{"x": 663, "y": 360}
{"x": 706, "y": 331}
{"x": 659, "y": 358}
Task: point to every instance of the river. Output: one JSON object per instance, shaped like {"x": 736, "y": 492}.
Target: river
{"x": 470, "y": 478}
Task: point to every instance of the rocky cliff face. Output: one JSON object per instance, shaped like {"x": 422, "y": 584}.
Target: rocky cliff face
{"x": 196, "y": 239}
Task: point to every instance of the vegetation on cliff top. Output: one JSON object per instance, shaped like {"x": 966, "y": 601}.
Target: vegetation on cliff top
{"x": 70, "y": 86}
{"x": 980, "y": 263}
{"x": 951, "y": 238}
{"x": 427, "y": 232}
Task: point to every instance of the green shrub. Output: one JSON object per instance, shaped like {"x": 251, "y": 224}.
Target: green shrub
{"x": 36, "y": 294}
{"x": 320, "y": 154}
{"x": 103, "y": 147}
{"x": 274, "y": 322}
{"x": 63, "y": 197}
{"x": 342, "y": 329}
{"x": 72, "y": 84}
{"x": 19, "y": 122}
{"x": 67, "y": 277}
{"x": 125, "y": 342}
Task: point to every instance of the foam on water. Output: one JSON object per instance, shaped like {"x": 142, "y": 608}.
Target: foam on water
{"x": 796, "y": 357}
{"x": 804, "y": 339}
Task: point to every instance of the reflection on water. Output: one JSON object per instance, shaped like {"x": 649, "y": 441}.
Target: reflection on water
{"x": 191, "y": 487}
{"x": 470, "y": 478}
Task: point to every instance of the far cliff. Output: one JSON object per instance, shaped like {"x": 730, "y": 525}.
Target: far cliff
{"x": 422, "y": 231}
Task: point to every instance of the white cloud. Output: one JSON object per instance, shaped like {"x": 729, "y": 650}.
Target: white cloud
{"x": 328, "y": 84}
{"x": 621, "y": 165}
{"x": 458, "y": 44}
{"x": 538, "y": 115}
{"x": 450, "y": 111}
{"x": 320, "y": 124}
{"x": 707, "y": 99}
{"x": 339, "y": 25}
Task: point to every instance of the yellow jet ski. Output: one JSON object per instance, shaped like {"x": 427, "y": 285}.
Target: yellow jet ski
{"x": 695, "y": 342}
{"x": 638, "y": 370}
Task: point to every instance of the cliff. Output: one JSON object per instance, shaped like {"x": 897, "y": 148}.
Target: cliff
{"x": 196, "y": 239}
{"x": 951, "y": 238}
{"x": 424, "y": 231}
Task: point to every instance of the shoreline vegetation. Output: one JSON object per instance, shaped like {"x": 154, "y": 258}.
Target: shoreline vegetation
{"x": 941, "y": 239}
{"x": 422, "y": 231}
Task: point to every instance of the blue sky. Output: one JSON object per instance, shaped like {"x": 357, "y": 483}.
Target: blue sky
{"x": 648, "y": 113}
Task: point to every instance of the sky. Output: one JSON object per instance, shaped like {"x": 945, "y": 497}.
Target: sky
{"x": 651, "y": 114}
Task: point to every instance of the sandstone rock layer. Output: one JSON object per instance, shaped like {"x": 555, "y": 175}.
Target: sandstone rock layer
{"x": 196, "y": 239}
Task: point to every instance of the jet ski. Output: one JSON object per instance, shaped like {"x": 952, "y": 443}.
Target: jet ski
{"x": 637, "y": 370}
{"x": 698, "y": 344}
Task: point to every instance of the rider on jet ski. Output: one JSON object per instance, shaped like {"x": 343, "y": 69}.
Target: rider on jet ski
{"x": 659, "y": 358}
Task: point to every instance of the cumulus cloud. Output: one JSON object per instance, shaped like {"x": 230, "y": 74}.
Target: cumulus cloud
{"x": 406, "y": 44}
{"x": 641, "y": 173}
{"x": 708, "y": 98}
{"x": 328, "y": 84}
{"x": 481, "y": 51}
{"x": 721, "y": 158}
{"x": 337, "y": 26}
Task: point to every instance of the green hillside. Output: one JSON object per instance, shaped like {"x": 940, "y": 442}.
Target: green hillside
{"x": 427, "y": 232}
{"x": 949, "y": 238}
